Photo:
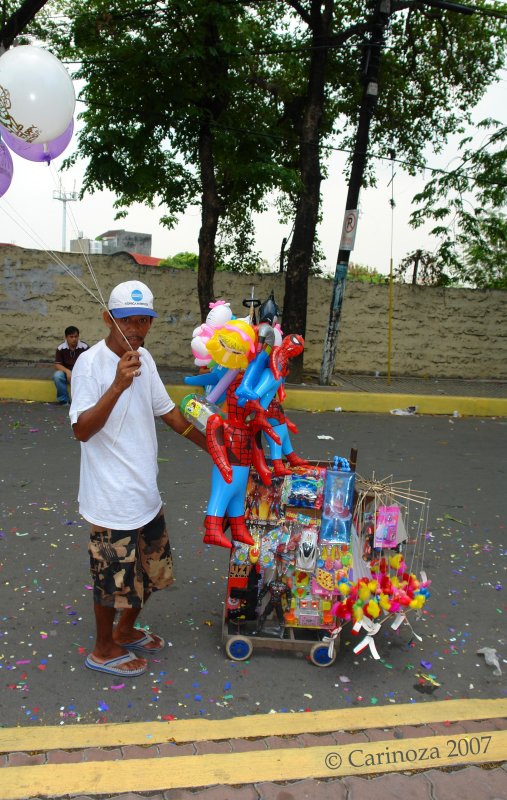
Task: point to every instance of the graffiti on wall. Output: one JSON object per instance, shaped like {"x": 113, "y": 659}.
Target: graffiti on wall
{"x": 27, "y": 291}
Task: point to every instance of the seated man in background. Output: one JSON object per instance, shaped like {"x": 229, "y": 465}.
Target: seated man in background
{"x": 67, "y": 353}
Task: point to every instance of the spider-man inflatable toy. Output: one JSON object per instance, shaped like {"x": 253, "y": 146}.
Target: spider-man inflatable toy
{"x": 235, "y": 444}
{"x": 270, "y": 392}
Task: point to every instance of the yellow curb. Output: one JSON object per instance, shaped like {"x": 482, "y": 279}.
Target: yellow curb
{"x": 380, "y": 403}
{"x": 314, "y": 399}
{"x": 195, "y": 771}
{"x": 43, "y": 391}
{"x": 55, "y": 737}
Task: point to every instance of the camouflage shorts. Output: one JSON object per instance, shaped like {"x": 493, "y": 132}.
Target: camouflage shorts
{"x": 127, "y": 566}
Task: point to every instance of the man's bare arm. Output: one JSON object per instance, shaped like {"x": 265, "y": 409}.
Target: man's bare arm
{"x": 93, "y": 419}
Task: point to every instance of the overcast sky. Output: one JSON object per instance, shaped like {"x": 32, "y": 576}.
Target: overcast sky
{"x": 32, "y": 218}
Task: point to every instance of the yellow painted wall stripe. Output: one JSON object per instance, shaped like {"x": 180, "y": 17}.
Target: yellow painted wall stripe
{"x": 314, "y": 399}
{"x": 253, "y": 767}
{"x": 76, "y": 736}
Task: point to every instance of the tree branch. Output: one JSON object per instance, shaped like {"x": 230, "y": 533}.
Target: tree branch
{"x": 301, "y": 10}
{"x": 18, "y": 21}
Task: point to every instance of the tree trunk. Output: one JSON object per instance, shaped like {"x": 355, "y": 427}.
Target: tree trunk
{"x": 211, "y": 208}
{"x": 300, "y": 254}
{"x": 417, "y": 258}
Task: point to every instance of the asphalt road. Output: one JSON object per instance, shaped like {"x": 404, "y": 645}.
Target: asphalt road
{"x": 46, "y": 604}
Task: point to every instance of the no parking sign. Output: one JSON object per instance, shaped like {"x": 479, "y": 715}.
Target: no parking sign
{"x": 349, "y": 230}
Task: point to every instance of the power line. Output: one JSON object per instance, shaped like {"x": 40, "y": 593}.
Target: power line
{"x": 460, "y": 8}
{"x": 419, "y": 166}
{"x": 403, "y": 162}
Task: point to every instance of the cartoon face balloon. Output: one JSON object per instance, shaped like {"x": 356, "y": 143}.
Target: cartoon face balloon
{"x": 37, "y": 97}
{"x": 220, "y": 314}
{"x": 233, "y": 345}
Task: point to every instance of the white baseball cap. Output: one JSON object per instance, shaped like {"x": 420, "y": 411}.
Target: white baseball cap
{"x": 131, "y": 298}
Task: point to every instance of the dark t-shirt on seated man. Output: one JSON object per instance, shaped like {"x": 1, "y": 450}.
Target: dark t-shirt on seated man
{"x": 66, "y": 356}
{"x": 67, "y": 353}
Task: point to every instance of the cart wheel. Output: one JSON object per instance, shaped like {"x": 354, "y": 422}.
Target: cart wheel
{"x": 319, "y": 655}
{"x": 238, "y": 648}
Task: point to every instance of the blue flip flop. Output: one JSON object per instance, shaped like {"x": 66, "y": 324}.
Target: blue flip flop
{"x": 140, "y": 645}
{"x": 113, "y": 666}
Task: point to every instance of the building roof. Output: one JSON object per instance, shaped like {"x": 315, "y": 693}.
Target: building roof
{"x": 139, "y": 258}
{"x": 110, "y": 234}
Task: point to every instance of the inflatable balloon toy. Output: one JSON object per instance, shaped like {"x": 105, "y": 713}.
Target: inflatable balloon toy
{"x": 270, "y": 393}
{"x": 38, "y": 151}
{"x": 282, "y": 425}
{"x": 220, "y": 313}
{"x": 37, "y": 97}
{"x": 234, "y": 442}
{"x": 234, "y": 445}
{"x": 255, "y": 370}
{"x": 269, "y": 336}
{"x": 231, "y": 346}
{"x": 232, "y": 343}
{"x": 6, "y": 169}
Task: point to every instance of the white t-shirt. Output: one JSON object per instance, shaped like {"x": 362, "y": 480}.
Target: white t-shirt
{"x": 118, "y": 479}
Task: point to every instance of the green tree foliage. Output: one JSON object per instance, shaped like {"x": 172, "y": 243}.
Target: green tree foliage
{"x": 435, "y": 67}
{"x": 181, "y": 261}
{"x": 422, "y": 268}
{"x": 173, "y": 115}
{"x": 235, "y": 248}
{"x": 467, "y": 204}
{"x": 220, "y": 102}
{"x": 360, "y": 273}
{"x": 16, "y": 18}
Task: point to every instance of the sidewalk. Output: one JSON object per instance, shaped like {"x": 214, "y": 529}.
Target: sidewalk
{"x": 435, "y": 751}
{"x": 360, "y": 393}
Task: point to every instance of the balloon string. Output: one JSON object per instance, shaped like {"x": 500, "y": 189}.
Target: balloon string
{"x": 40, "y": 245}
{"x": 72, "y": 220}
{"x": 25, "y": 227}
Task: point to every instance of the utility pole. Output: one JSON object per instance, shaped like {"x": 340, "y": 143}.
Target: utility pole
{"x": 370, "y": 72}
{"x": 65, "y": 197}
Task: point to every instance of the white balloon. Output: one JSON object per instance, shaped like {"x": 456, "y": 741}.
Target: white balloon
{"x": 219, "y": 315}
{"x": 37, "y": 97}
{"x": 199, "y": 349}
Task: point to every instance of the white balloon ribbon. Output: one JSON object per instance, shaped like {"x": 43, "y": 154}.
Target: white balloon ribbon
{"x": 330, "y": 640}
{"x": 399, "y": 620}
{"x": 371, "y": 629}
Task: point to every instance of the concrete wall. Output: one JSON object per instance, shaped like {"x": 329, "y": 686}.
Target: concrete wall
{"x": 453, "y": 333}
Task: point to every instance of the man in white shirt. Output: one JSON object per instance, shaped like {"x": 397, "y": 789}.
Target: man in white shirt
{"x": 116, "y": 395}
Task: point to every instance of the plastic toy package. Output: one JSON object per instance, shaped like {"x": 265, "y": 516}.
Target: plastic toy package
{"x": 304, "y": 488}
{"x": 338, "y": 506}
{"x": 263, "y": 503}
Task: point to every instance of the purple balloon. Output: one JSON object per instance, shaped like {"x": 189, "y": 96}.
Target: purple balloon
{"x": 6, "y": 168}
{"x": 38, "y": 151}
